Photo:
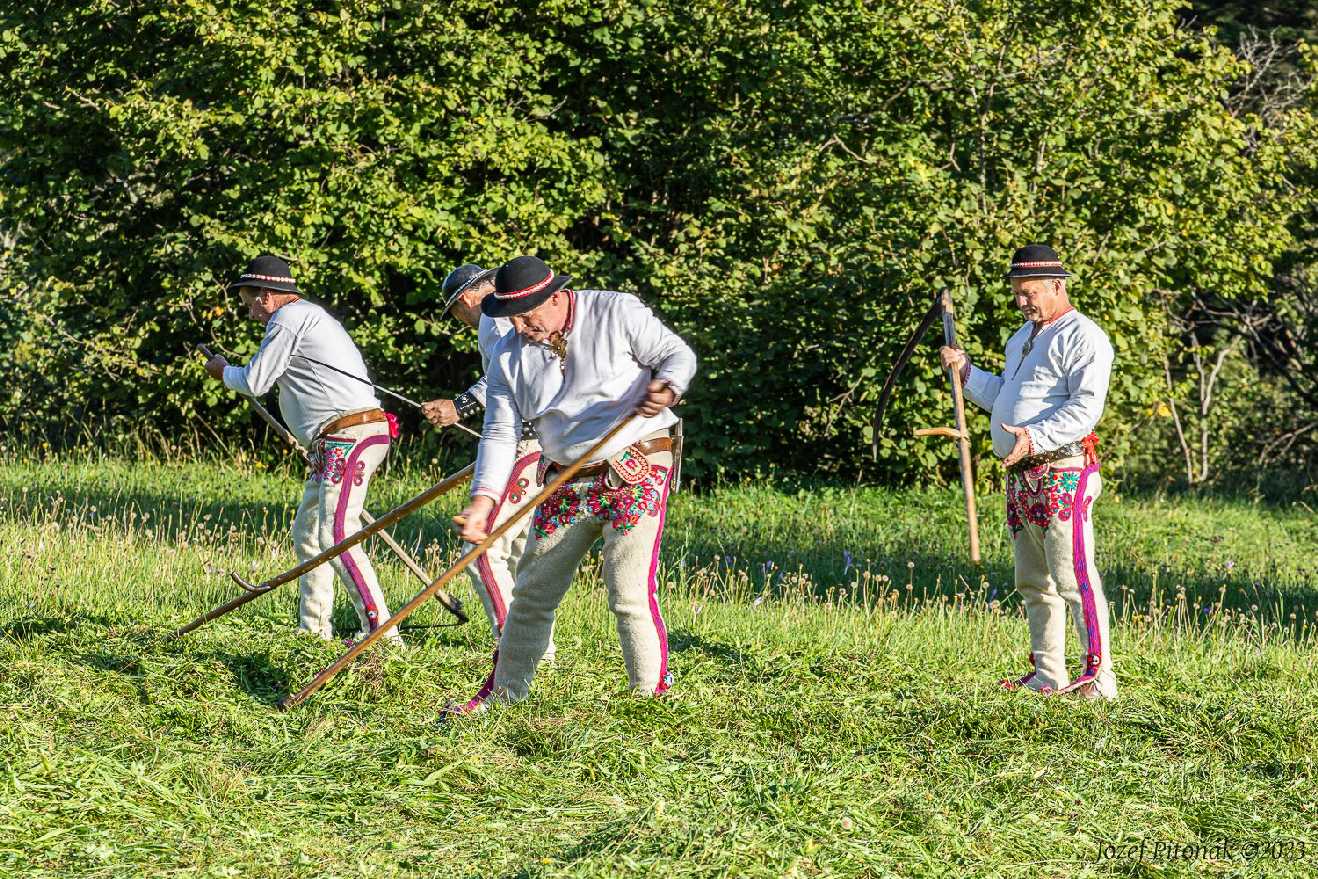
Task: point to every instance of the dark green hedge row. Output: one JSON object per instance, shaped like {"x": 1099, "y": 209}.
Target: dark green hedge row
{"x": 787, "y": 183}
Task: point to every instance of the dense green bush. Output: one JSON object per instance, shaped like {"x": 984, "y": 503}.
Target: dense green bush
{"x": 787, "y": 183}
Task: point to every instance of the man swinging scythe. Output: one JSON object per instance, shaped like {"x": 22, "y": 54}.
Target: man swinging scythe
{"x": 290, "y": 442}
{"x": 340, "y": 422}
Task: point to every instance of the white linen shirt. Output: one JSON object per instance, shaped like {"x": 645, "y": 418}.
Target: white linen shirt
{"x": 310, "y": 396}
{"x": 488, "y": 333}
{"x": 615, "y": 347}
{"x": 1056, "y": 391}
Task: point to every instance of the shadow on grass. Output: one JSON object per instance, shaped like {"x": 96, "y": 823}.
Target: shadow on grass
{"x": 22, "y": 629}
{"x": 257, "y": 676}
{"x": 883, "y": 536}
{"x": 179, "y": 514}
{"x": 682, "y": 641}
{"x": 930, "y": 575}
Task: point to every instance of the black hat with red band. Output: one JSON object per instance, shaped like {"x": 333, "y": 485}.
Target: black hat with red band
{"x": 1036, "y": 261}
{"x": 520, "y": 285}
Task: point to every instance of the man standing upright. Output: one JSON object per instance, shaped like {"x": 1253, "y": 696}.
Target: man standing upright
{"x": 578, "y": 363}
{"x": 1044, "y": 408}
{"x": 339, "y": 420}
{"x": 493, "y": 573}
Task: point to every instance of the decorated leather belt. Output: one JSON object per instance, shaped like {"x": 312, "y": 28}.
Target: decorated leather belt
{"x": 370, "y": 416}
{"x": 1070, "y": 450}
{"x": 629, "y": 464}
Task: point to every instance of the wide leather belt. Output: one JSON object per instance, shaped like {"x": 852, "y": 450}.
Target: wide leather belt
{"x": 1070, "y": 450}
{"x": 370, "y": 416}
{"x": 647, "y": 447}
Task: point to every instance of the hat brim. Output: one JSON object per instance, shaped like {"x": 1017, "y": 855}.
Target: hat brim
{"x": 486, "y": 275}
{"x": 278, "y": 286}
{"x": 493, "y": 306}
{"x": 1037, "y": 273}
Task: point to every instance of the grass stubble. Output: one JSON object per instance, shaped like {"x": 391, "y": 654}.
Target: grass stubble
{"x": 835, "y": 711}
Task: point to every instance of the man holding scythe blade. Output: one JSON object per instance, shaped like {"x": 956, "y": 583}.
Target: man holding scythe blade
{"x": 1044, "y": 408}
{"x": 581, "y": 366}
{"x": 340, "y": 421}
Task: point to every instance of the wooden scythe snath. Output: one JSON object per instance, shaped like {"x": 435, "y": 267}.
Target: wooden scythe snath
{"x": 253, "y": 591}
{"x": 460, "y": 565}
{"x": 942, "y": 306}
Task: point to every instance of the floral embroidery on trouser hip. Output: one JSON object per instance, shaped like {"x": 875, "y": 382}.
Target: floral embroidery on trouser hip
{"x": 631, "y": 521}
{"x": 494, "y": 573}
{"x": 331, "y": 507}
{"x": 1049, "y": 514}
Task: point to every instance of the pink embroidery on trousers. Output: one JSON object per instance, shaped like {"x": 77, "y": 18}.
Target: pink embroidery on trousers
{"x": 340, "y": 518}
{"x": 1080, "y": 562}
{"x": 665, "y": 680}
{"x": 512, "y": 491}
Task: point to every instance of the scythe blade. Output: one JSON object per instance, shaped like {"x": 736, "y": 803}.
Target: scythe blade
{"x": 934, "y": 313}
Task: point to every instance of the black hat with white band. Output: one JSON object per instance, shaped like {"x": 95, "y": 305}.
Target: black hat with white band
{"x": 267, "y": 272}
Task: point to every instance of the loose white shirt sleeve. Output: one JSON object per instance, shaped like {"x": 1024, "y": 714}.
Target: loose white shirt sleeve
{"x": 310, "y": 395}
{"x": 488, "y": 334}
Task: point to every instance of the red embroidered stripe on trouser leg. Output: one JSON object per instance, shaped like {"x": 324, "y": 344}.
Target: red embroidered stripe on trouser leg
{"x": 494, "y": 573}
{"x": 343, "y": 494}
{"x": 1084, "y": 592}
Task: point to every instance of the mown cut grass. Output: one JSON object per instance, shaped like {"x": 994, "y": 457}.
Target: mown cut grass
{"x": 826, "y": 720}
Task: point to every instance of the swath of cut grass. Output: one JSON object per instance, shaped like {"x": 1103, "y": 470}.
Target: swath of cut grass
{"x": 835, "y": 711}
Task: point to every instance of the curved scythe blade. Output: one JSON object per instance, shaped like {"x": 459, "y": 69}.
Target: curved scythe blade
{"x": 935, "y": 311}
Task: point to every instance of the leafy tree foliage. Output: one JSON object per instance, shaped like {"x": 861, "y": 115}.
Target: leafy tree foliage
{"x": 787, "y": 183}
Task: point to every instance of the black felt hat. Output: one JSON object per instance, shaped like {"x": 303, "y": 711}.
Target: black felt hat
{"x": 269, "y": 272}
{"x": 1036, "y": 261}
{"x": 460, "y": 279}
{"x": 520, "y": 285}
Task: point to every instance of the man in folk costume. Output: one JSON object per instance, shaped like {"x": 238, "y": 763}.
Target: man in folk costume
{"x": 1044, "y": 408}
{"x": 337, "y": 419}
{"x": 495, "y": 571}
{"x": 579, "y": 363}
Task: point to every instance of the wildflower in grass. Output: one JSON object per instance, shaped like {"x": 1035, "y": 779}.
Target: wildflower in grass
{"x": 1230, "y": 564}
{"x": 846, "y": 562}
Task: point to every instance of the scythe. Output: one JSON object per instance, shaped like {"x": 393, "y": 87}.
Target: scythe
{"x": 941, "y": 307}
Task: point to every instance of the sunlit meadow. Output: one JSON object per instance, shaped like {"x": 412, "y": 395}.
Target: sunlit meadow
{"x": 835, "y": 711}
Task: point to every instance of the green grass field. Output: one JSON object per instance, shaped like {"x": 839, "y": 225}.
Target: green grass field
{"x": 835, "y": 711}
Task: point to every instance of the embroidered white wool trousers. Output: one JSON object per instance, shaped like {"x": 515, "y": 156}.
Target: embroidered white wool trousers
{"x": 1049, "y": 514}
{"x": 331, "y": 508}
{"x": 494, "y": 573}
{"x": 630, "y": 518}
